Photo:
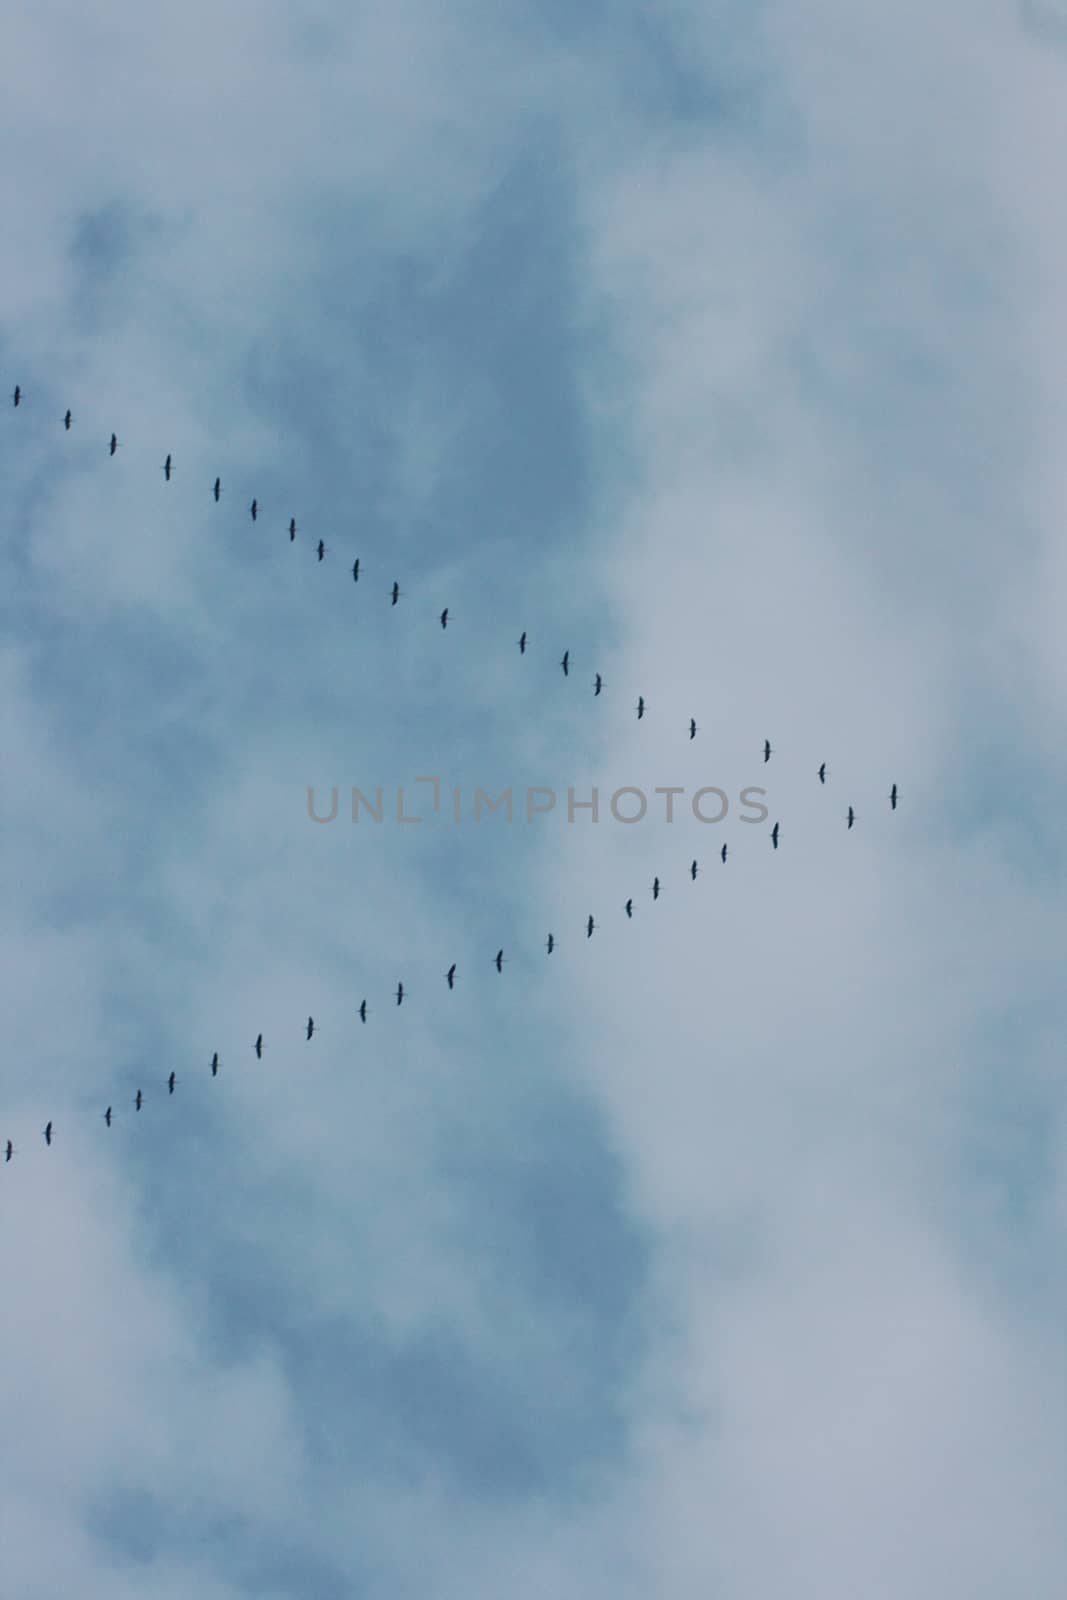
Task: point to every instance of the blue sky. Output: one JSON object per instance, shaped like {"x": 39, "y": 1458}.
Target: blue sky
{"x": 720, "y": 1253}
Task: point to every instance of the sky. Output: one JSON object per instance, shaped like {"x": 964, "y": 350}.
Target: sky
{"x": 720, "y": 1253}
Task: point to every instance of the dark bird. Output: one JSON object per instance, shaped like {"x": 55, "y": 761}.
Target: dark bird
{"x": 215, "y": 1065}
{"x": 722, "y": 853}
{"x": 400, "y": 994}
{"x": 444, "y": 618}
{"x": 258, "y": 1047}
{"x": 893, "y": 797}
{"x": 9, "y": 1150}
{"x": 217, "y": 489}
{"x": 48, "y": 1133}
{"x": 450, "y": 976}
{"x": 363, "y": 1011}
{"x": 292, "y": 529}
{"x": 355, "y": 571}
{"x": 655, "y": 888}
{"x": 851, "y": 816}
{"x": 774, "y": 836}
{"x": 320, "y": 549}
{"x": 629, "y": 908}
{"x": 822, "y": 773}
{"x": 67, "y": 420}
{"x": 640, "y": 707}
{"x": 598, "y": 684}
{"x": 138, "y": 1100}
{"x": 311, "y": 1027}
{"x": 107, "y": 1116}
{"x": 498, "y": 961}
{"x": 171, "y": 1081}
{"x": 166, "y": 470}
{"x": 565, "y": 663}
{"x": 17, "y": 396}
{"x": 589, "y": 926}
{"x": 113, "y": 446}
{"x": 395, "y": 593}
{"x": 522, "y": 645}
{"x": 692, "y": 728}
{"x": 550, "y": 943}
{"x": 766, "y": 750}
{"x": 254, "y": 508}
{"x": 693, "y": 872}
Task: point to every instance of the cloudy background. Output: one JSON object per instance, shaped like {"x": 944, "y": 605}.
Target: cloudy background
{"x": 720, "y": 1254}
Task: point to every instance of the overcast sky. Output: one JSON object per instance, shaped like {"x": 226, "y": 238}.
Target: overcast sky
{"x": 722, "y": 1253}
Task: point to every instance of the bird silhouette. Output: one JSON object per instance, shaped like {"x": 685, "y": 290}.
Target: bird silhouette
{"x": 17, "y": 396}
{"x": 320, "y": 550}
{"x": 722, "y": 853}
{"x": 565, "y": 663}
{"x": 67, "y": 420}
{"x": 363, "y": 1011}
{"x": 766, "y": 750}
{"x": 400, "y": 994}
{"x": 851, "y": 817}
{"x": 550, "y": 943}
{"x": 692, "y": 728}
{"x": 522, "y": 644}
{"x": 113, "y": 446}
{"x": 166, "y": 470}
{"x": 9, "y": 1150}
{"x": 215, "y": 1065}
{"x": 171, "y": 1081}
{"x": 589, "y": 926}
{"x": 629, "y": 908}
{"x": 217, "y": 489}
{"x": 138, "y": 1100}
{"x": 396, "y": 591}
{"x": 774, "y": 836}
{"x": 498, "y": 961}
{"x": 893, "y": 798}
{"x": 640, "y": 707}
{"x": 450, "y": 976}
{"x": 693, "y": 871}
{"x": 311, "y": 1027}
{"x": 107, "y": 1116}
{"x": 292, "y": 529}
{"x": 443, "y": 619}
{"x": 655, "y": 888}
{"x": 258, "y": 1047}
{"x": 355, "y": 571}
{"x": 48, "y": 1133}
{"x": 822, "y": 773}
{"x": 254, "y": 508}
{"x": 598, "y": 684}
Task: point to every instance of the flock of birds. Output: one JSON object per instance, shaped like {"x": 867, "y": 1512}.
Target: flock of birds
{"x": 499, "y": 960}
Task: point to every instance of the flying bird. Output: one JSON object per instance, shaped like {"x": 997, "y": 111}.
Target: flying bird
{"x": 565, "y": 663}
{"x": 67, "y": 420}
{"x": 215, "y": 1065}
{"x": 171, "y": 1081}
{"x": 692, "y": 728}
{"x": 589, "y": 926}
{"x": 522, "y": 645}
{"x": 766, "y": 750}
{"x": 217, "y": 490}
{"x": 17, "y": 396}
{"x": 640, "y": 707}
{"x": 292, "y": 529}
{"x": 320, "y": 549}
{"x": 629, "y": 908}
{"x": 722, "y": 853}
{"x": 400, "y": 994}
{"x": 258, "y": 1047}
{"x": 822, "y": 773}
{"x": 395, "y": 593}
{"x": 851, "y": 817}
{"x": 355, "y": 571}
{"x": 113, "y": 446}
{"x": 311, "y": 1027}
{"x": 450, "y": 976}
{"x": 598, "y": 684}
{"x": 166, "y": 470}
{"x": 655, "y": 888}
{"x": 893, "y": 797}
{"x": 107, "y": 1116}
{"x": 774, "y": 836}
{"x": 9, "y": 1150}
{"x": 48, "y": 1133}
{"x": 498, "y": 961}
{"x": 138, "y": 1100}
{"x": 443, "y": 619}
{"x": 363, "y": 1011}
{"x": 550, "y": 943}
{"x": 693, "y": 872}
